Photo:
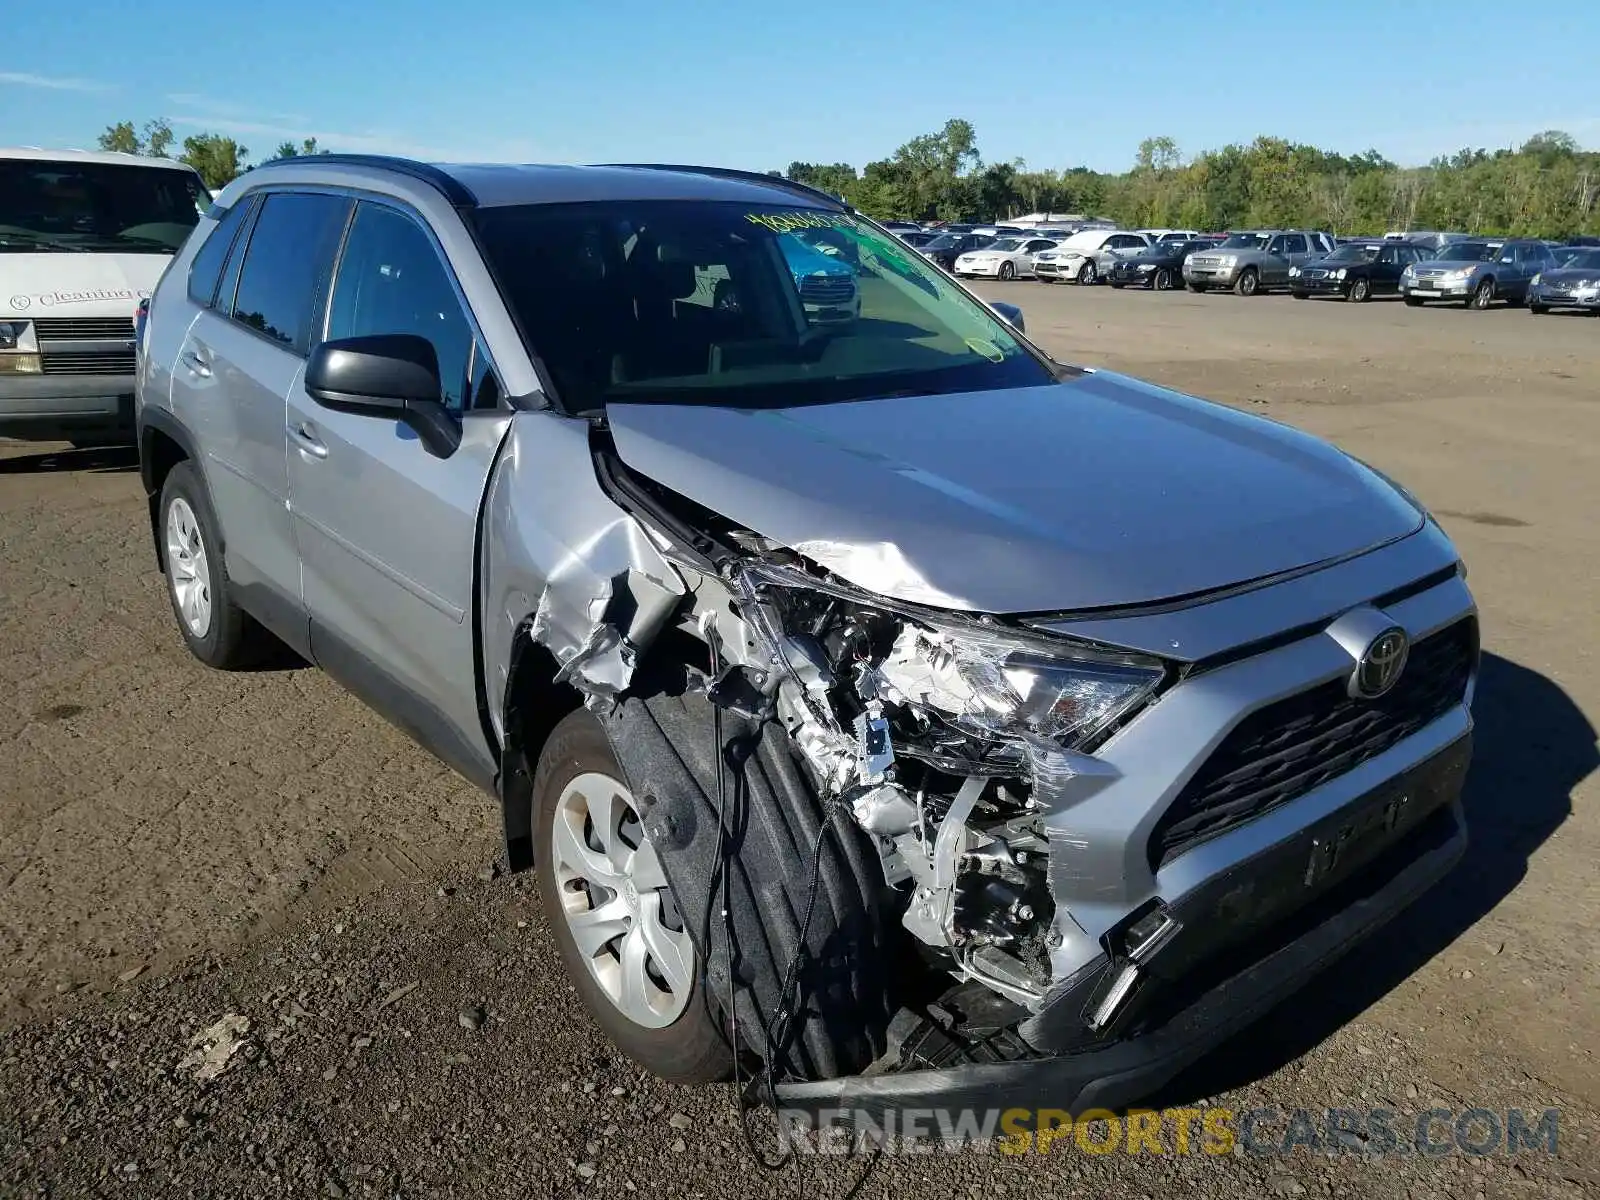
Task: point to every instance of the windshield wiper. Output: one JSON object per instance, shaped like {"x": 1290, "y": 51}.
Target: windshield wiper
{"x": 39, "y": 240}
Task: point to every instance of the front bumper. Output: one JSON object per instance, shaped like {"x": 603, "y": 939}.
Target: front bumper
{"x": 51, "y": 407}
{"x": 1061, "y": 268}
{"x": 1131, "y": 277}
{"x": 1437, "y": 289}
{"x": 1224, "y": 996}
{"x": 978, "y": 270}
{"x": 1326, "y": 285}
{"x": 1213, "y": 276}
{"x": 1553, "y": 299}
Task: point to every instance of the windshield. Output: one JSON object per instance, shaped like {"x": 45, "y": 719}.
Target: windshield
{"x": 1245, "y": 241}
{"x": 70, "y": 206}
{"x": 1582, "y": 260}
{"x": 1354, "y": 254}
{"x": 1004, "y": 244}
{"x": 692, "y": 302}
{"x": 1468, "y": 252}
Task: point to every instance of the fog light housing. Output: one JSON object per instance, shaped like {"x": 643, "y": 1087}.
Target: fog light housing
{"x": 20, "y": 364}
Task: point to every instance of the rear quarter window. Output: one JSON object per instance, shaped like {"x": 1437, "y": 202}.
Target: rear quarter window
{"x": 206, "y": 269}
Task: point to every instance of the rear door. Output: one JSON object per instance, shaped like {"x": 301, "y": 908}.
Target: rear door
{"x": 239, "y": 360}
{"x": 388, "y": 532}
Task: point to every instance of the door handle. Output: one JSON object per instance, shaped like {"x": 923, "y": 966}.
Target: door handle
{"x": 196, "y": 362}
{"x": 306, "y": 439}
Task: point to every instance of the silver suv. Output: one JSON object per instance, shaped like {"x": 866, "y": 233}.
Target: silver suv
{"x": 1257, "y": 260}
{"x": 851, "y": 690}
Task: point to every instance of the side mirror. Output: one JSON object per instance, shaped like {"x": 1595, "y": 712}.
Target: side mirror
{"x": 1011, "y": 314}
{"x": 385, "y": 375}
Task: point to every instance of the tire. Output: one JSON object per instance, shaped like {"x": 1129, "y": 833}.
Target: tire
{"x": 1198, "y": 287}
{"x": 1248, "y": 283}
{"x": 1301, "y": 295}
{"x": 1482, "y": 296}
{"x": 1359, "y": 291}
{"x": 1115, "y": 284}
{"x": 1163, "y": 280}
{"x": 1537, "y": 310}
{"x": 1413, "y": 302}
{"x": 576, "y": 767}
{"x": 218, "y": 632}
{"x": 1088, "y": 274}
{"x": 1008, "y": 271}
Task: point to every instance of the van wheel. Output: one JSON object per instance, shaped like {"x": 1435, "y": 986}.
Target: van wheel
{"x": 1248, "y": 284}
{"x": 626, "y": 947}
{"x": 218, "y": 632}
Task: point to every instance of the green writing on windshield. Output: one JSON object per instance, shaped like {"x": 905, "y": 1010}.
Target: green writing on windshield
{"x": 788, "y": 222}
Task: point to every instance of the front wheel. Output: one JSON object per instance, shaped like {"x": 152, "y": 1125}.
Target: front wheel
{"x": 1198, "y": 287}
{"x": 1481, "y": 296}
{"x": 1163, "y": 280}
{"x": 1089, "y": 274}
{"x": 1413, "y": 302}
{"x": 1537, "y": 310}
{"x": 626, "y": 947}
{"x": 1114, "y": 283}
{"x": 1008, "y": 271}
{"x": 1359, "y": 291}
{"x": 1301, "y": 295}
{"x": 1247, "y": 284}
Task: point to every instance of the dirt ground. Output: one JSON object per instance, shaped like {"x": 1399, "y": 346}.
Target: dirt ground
{"x": 178, "y": 844}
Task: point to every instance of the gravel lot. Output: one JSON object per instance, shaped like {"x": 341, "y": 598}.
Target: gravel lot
{"x": 180, "y": 846}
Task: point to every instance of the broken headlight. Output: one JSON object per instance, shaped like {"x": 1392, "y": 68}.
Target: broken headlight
{"x": 996, "y": 686}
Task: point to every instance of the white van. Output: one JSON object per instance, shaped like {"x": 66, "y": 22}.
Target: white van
{"x": 84, "y": 237}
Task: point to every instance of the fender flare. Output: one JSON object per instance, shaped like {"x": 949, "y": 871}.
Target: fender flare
{"x": 160, "y": 420}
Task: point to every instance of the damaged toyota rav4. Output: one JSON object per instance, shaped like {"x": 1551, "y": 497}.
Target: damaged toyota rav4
{"x": 882, "y": 705}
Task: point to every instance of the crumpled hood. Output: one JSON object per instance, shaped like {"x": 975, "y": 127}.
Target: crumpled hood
{"x": 61, "y": 284}
{"x": 1099, "y": 492}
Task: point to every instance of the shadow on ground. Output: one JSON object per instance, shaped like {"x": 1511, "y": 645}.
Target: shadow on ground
{"x": 1533, "y": 746}
{"x": 93, "y": 459}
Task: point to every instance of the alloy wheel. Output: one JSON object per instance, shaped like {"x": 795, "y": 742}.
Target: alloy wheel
{"x": 188, "y": 567}
{"x": 618, "y": 908}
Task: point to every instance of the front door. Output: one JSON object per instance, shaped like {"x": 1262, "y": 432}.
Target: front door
{"x": 387, "y": 531}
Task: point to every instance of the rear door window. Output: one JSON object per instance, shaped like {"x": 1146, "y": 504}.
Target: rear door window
{"x": 287, "y": 265}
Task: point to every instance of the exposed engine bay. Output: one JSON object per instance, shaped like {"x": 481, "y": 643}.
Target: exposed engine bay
{"x": 946, "y": 736}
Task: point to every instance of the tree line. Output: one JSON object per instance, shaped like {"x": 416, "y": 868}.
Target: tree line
{"x": 1547, "y": 187}
{"x": 218, "y": 160}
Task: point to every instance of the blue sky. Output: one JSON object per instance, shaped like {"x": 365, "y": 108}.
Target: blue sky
{"x": 758, "y": 85}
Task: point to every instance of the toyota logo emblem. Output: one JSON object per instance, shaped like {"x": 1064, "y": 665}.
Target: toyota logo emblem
{"x": 1380, "y": 664}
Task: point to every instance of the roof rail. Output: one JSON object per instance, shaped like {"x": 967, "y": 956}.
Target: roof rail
{"x": 776, "y": 181}
{"x": 451, "y": 188}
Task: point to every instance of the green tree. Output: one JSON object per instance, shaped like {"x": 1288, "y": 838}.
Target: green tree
{"x": 306, "y": 148}
{"x": 219, "y": 160}
{"x": 120, "y": 138}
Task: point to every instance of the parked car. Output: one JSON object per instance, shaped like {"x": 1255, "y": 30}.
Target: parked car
{"x": 1251, "y": 261}
{"x": 1158, "y": 267}
{"x": 948, "y": 247}
{"x": 83, "y": 238}
{"x": 1430, "y": 239}
{"x": 823, "y": 276}
{"x": 1477, "y": 272}
{"x": 1573, "y": 283}
{"x": 1356, "y": 271}
{"x": 918, "y": 238}
{"x": 462, "y": 441}
{"x": 901, "y": 226}
{"x": 1086, "y": 255}
{"x": 1004, "y": 258}
{"x": 1169, "y": 235}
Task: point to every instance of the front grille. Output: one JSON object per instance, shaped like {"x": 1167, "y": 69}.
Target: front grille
{"x": 88, "y": 362}
{"x": 83, "y": 329}
{"x": 827, "y": 289}
{"x": 1315, "y": 274}
{"x": 1205, "y": 260}
{"x": 1283, "y": 751}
